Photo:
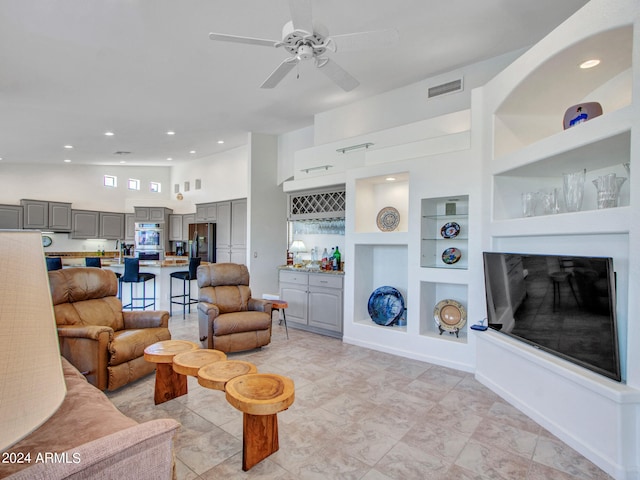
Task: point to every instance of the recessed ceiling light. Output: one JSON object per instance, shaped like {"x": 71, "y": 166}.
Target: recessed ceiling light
{"x": 123, "y": 161}
{"x": 68, "y": 147}
{"x": 171, "y": 132}
{"x": 390, "y": 179}
{"x": 169, "y": 159}
{"x": 109, "y": 134}
{"x": 220, "y": 142}
{"x": 66, "y": 160}
{"x": 192, "y": 152}
{"x": 590, "y": 63}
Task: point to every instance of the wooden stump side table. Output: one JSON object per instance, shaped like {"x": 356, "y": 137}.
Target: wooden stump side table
{"x": 188, "y": 363}
{"x": 216, "y": 375}
{"x": 169, "y": 384}
{"x": 260, "y": 396}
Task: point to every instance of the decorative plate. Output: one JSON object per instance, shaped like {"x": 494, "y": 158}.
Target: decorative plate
{"x": 386, "y": 305}
{"x": 388, "y": 219}
{"x": 46, "y": 241}
{"x": 450, "y": 315}
{"x": 450, "y": 230}
{"x": 451, "y": 255}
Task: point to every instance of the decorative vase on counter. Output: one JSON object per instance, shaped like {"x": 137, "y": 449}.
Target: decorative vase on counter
{"x": 573, "y": 188}
{"x": 608, "y": 187}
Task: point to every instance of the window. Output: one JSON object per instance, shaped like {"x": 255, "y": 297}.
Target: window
{"x": 155, "y": 187}
{"x": 134, "y": 184}
{"x": 110, "y": 181}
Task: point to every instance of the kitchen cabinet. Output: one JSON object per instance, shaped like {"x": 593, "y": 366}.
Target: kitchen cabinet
{"x": 129, "y": 227}
{"x": 151, "y": 214}
{"x": 231, "y": 231}
{"x": 41, "y": 214}
{"x": 206, "y": 212}
{"x": 176, "y": 229}
{"x": 11, "y": 217}
{"x": 111, "y": 226}
{"x": 85, "y": 224}
{"x": 315, "y": 301}
{"x": 187, "y": 220}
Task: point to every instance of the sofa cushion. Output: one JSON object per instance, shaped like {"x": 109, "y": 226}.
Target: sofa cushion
{"x": 104, "y": 312}
{"x": 237, "y": 322}
{"x": 129, "y": 344}
{"x": 85, "y": 415}
{"x": 227, "y": 298}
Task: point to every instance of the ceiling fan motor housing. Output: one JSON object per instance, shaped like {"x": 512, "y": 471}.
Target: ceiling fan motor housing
{"x": 303, "y": 45}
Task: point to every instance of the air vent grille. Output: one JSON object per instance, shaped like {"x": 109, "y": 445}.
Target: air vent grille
{"x": 445, "y": 88}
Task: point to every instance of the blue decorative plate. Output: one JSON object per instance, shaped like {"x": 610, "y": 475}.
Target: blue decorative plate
{"x": 451, "y": 255}
{"x": 386, "y": 305}
{"x": 450, "y": 230}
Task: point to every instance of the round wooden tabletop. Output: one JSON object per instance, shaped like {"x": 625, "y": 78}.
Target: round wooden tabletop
{"x": 216, "y": 375}
{"x": 188, "y": 363}
{"x": 163, "y": 352}
{"x": 279, "y": 304}
{"x": 260, "y": 393}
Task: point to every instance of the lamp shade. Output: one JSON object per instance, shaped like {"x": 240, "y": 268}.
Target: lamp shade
{"x": 298, "y": 246}
{"x": 32, "y": 384}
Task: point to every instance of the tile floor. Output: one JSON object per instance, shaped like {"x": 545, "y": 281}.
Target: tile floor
{"x": 359, "y": 414}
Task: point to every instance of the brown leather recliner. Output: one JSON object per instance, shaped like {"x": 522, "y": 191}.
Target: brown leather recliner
{"x": 95, "y": 335}
{"x": 230, "y": 320}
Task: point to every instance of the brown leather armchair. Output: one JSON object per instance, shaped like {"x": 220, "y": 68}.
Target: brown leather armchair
{"x": 229, "y": 319}
{"x": 95, "y": 335}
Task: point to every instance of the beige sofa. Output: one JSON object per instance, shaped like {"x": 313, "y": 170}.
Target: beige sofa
{"x": 89, "y": 437}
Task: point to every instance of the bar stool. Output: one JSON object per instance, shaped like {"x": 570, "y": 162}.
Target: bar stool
{"x": 93, "y": 262}
{"x": 54, "y": 263}
{"x": 186, "y": 278}
{"x": 132, "y": 275}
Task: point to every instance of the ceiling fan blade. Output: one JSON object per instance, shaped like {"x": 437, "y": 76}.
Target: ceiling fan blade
{"x": 365, "y": 40}
{"x": 223, "y": 37}
{"x": 338, "y": 74}
{"x": 279, "y": 73}
{"x": 301, "y": 15}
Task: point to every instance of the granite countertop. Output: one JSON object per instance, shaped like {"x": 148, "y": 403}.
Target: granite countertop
{"x": 310, "y": 270}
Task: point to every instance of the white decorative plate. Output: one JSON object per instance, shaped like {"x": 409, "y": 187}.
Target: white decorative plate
{"x": 388, "y": 219}
{"x": 450, "y": 315}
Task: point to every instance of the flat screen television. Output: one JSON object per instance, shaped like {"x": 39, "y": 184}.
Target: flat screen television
{"x": 562, "y": 304}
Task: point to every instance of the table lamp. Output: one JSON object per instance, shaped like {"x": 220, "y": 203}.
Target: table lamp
{"x": 32, "y": 384}
{"x": 297, "y": 247}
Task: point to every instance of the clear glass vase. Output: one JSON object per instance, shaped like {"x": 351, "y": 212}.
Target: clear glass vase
{"x": 608, "y": 187}
{"x": 573, "y": 188}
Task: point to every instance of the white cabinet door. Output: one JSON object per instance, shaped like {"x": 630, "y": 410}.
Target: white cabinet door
{"x": 297, "y": 298}
{"x": 239, "y": 224}
{"x": 223, "y": 225}
{"x": 325, "y": 308}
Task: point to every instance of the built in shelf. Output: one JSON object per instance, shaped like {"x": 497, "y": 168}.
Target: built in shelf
{"x": 445, "y": 229}
{"x": 430, "y": 294}
{"x": 376, "y": 193}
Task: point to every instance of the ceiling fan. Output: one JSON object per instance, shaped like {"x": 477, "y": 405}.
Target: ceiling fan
{"x": 305, "y": 39}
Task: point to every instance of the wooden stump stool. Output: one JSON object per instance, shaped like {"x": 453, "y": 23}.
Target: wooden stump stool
{"x": 216, "y": 375}
{"x": 169, "y": 384}
{"x": 260, "y": 396}
{"x": 188, "y": 363}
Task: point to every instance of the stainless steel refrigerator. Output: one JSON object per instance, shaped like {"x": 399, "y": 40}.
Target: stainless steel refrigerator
{"x": 202, "y": 241}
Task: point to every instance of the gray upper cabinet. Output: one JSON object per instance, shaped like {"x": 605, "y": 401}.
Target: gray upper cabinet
{"x": 111, "y": 226}
{"x": 152, "y": 214}
{"x": 11, "y": 216}
{"x": 129, "y": 227}
{"x": 41, "y": 214}
{"x": 86, "y": 224}
{"x": 187, "y": 220}
{"x": 175, "y": 228}
{"x": 206, "y": 212}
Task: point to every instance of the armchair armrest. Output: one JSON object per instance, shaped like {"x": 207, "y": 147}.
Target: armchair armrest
{"x": 145, "y": 319}
{"x": 259, "y": 305}
{"x": 86, "y": 348}
{"x": 210, "y": 310}
{"x": 91, "y": 332}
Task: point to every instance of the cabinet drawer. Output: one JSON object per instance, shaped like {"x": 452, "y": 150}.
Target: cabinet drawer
{"x": 294, "y": 277}
{"x": 326, "y": 280}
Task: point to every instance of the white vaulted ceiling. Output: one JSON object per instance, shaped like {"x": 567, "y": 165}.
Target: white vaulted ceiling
{"x": 71, "y": 70}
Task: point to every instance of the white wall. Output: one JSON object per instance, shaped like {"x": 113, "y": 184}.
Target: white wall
{"x": 267, "y": 213}
{"x": 82, "y": 185}
{"x": 224, "y": 176}
{"x": 288, "y": 145}
{"x": 407, "y": 104}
